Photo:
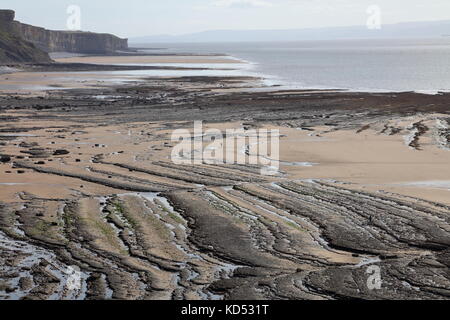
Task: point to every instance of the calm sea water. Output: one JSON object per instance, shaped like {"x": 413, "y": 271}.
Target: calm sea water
{"x": 363, "y": 65}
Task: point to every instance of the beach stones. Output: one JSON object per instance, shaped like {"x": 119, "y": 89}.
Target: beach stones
{"x": 24, "y": 144}
{"x": 5, "y": 158}
{"x": 60, "y": 152}
{"x": 37, "y": 152}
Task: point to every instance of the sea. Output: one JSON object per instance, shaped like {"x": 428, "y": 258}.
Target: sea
{"x": 391, "y": 65}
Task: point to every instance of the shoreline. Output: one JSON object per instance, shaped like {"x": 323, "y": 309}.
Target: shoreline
{"x": 165, "y": 61}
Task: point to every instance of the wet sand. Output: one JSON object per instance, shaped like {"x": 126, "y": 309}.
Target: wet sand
{"x": 98, "y": 71}
{"x": 372, "y": 161}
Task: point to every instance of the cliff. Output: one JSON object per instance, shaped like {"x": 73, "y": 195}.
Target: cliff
{"x": 13, "y": 48}
{"x": 70, "y": 41}
{"x": 24, "y": 43}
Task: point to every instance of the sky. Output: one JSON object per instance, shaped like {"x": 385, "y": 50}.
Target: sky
{"x": 134, "y": 18}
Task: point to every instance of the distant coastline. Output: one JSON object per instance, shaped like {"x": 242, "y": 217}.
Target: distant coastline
{"x": 354, "y": 65}
{"x": 405, "y": 30}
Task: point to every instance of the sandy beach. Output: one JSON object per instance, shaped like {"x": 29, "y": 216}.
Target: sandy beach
{"x": 37, "y": 83}
{"x": 88, "y": 175}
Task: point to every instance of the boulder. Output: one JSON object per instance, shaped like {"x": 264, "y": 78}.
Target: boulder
{"x": 5, "y": 158}
{"x": 60, "y": 152}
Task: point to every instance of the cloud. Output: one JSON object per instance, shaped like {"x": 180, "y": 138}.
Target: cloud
{"x": 242, "y": 3}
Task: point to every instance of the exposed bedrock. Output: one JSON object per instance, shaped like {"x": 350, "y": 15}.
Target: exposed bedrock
{"x": 140, "y": 227}
{"x": 304, "y": 240}
{"x": 285, "y": 240}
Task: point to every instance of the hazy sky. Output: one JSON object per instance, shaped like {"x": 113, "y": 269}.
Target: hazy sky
{"x": 151, "y": 17}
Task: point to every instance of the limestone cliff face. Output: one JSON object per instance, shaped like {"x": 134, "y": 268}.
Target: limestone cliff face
{"x": 70, "y": 41}
{"x": 59, "y": 41}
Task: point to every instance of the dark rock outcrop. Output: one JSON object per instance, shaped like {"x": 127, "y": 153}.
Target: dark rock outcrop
{"x": 60, "y": 152}
{"x": 5, "y": 158}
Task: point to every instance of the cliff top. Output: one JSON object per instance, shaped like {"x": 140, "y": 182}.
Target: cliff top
{"x": 7, "y": 15}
